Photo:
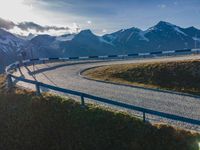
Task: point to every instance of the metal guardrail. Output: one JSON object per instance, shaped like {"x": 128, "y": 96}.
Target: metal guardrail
{"x": 154, "y": 53}
{"x": 38, "y": 85}
{"x": 82, "y": 95}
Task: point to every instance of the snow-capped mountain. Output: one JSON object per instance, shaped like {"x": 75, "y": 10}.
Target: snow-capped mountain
{"x": 10, "y": 47}
{"x": 162, "y": 36}
{"x": 86, "y": 43}
{"x": 8, "y": 40}
{"x": 82, "y": 44}
{"x": 65, "y": 37}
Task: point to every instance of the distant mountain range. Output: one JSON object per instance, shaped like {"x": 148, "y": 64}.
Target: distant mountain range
{"x": 163, "y": 36}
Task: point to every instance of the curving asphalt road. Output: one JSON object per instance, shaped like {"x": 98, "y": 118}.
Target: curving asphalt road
{"x": 67, "y": 75}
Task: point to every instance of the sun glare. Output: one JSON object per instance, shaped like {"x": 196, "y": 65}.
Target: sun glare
{"x": 14, "y": 10}
{"x": 18, "y": 11}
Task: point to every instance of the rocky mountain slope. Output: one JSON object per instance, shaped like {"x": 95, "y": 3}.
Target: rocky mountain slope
{"x": 163, "y": 36}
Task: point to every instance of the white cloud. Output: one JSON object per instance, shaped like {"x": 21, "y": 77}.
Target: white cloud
{"x": 104, "y": 31}
{"x": 18, "y": 31}
{"x": 17, "y": 11}
{"x": 89, "y": 22}
{"x": 50, "y": 30}
{"x": 75, "y": 28}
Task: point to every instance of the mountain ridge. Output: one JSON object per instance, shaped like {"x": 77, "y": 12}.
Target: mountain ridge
{"x": 162, "y": 36}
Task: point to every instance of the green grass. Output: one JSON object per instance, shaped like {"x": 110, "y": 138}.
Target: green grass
{"x": 55, "y": 123}
{"x": 182, "y": 76}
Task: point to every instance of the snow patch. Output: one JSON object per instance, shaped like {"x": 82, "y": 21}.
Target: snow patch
{"x": 196, "y": 39}
{"x": 65, "y": 38}
{"x": 111, "y": 37}
{"x": 142, "y": 36}
{"x": 179, "y": 31}
{"x": 101, "y": 39}
{"x": 11, "y": 40}
{"x": 151, "y": 29}
{"x": 169, "y": 24}
{"x": 129, "y": 36}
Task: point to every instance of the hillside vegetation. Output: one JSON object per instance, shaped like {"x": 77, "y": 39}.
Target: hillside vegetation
{"x": 51, "y": 122}
{"x": 182, "y": 76}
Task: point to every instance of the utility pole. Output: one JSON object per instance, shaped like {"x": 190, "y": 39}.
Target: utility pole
{"x": 31, "y": 50}
{"x": 195, "y": 41}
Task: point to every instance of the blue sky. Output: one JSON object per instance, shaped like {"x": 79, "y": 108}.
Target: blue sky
{"x": 104, "y": 16}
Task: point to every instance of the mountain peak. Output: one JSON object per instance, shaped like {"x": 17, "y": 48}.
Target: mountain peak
{"x": 129, "y": 29}
{"x": 135, "y": 29}
{"x": 192, "y": 28}
{"x": 163, "y": 24}
{"x": 87, "y": 31}
{"x": 85, "y": 35}
{"x": 43, "y": 37}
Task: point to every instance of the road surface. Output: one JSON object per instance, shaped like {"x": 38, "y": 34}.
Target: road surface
{"x": 67, "y": 75}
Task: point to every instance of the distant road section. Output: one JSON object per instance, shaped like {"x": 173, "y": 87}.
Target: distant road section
{"x": 67, "y": 75}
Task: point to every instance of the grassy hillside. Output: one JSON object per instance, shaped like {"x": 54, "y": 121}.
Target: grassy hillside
{"x": 183, "y": 76}
{"x": 54, "y": 123}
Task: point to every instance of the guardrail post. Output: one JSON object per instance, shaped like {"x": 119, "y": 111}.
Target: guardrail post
{"x": 9, "y": 81}
{"x": 82, "y": 101}
{"x": 37, "y": 86}
{"x": 144, "y": 117}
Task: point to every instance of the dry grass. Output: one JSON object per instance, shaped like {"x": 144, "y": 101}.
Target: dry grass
{"x": 54, "y": 123}
{"x": 2, "y": 82}
{"x": 182, "y": 76}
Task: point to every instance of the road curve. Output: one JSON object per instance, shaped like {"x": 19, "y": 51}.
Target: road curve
{"x": 67, "y": 75}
